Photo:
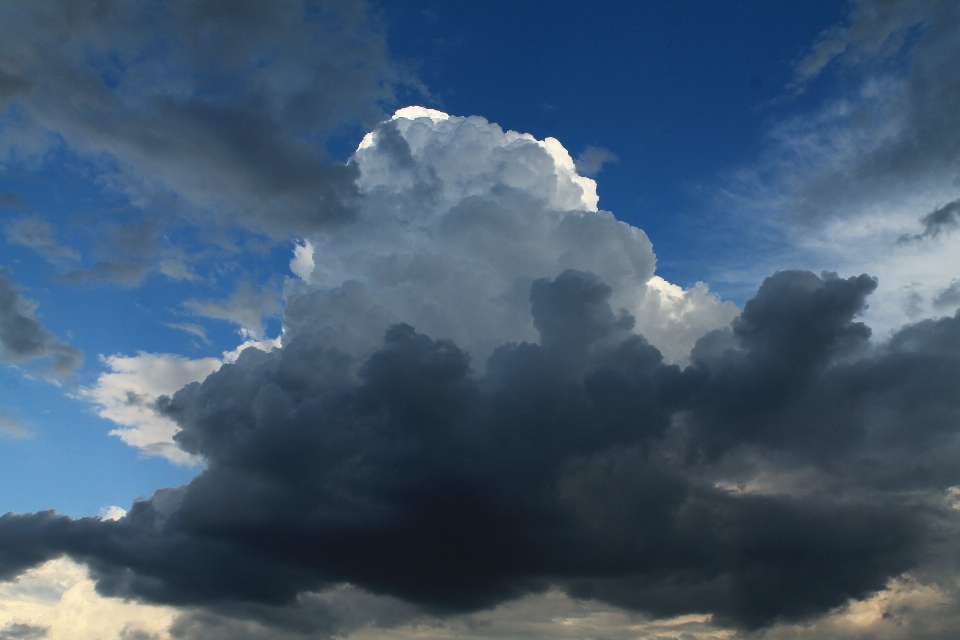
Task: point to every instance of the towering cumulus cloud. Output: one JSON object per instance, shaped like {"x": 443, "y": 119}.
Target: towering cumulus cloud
{"x": 472, "y": 403}
{"x": 457, "y": 218}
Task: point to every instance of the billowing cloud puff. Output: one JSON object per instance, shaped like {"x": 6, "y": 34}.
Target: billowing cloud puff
{"x": 456, "y": 219}
{"x": 127, "y": 395}
{"x": 790, "y": 468}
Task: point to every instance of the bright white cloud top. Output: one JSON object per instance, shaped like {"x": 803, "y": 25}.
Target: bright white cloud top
{"x": 457, "y": 218}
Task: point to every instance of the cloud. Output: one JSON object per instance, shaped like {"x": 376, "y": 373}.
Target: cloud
{"x": 936, "y": 222}
{"x": 11, "y": 199}
{"x": 40, "y": 236}
{"x": 23, "y": 338}
{"x": 591, "y": 161}
{"x": 127, "y": 395}
{"x": 302, "y": 263}
{"x": 792, "y": 467}
{"x": 58, "y": 601}
{"x": 948, "y": 297}
{"x": 12, "y": 427}
{"x": 192, "y": 328}
{"x": 128, "y": 392}
{"x": 843, "y": 184}
{"x": 884, "y": 142}
{"x": 19, "y": 631}
{"x": 456, "y": 219}
{"x": 226, "y": 108}
{"x": 246, "y": 307}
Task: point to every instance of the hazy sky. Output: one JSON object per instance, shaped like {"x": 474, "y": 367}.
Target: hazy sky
{"x": 490, "y": 320}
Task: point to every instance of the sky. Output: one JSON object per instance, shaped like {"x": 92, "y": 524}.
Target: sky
{"x": 362, "y": 320}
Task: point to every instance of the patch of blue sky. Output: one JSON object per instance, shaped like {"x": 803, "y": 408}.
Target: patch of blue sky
{"x": 66, "y": 459}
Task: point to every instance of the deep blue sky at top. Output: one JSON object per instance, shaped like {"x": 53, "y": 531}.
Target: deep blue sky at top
{"x": 679, "y": 91}
{"x": 675, "y": 89}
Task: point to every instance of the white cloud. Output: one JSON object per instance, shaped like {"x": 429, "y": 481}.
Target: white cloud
{"x": 457, "y": 219}
{"x": 112, "y": 513}
{"x": 190, "y": 327}
{"x": 302, "y": 263}
{"x": 127, "y": 395}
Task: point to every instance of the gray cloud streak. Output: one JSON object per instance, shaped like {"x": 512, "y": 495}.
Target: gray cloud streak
{"x": 23, "y": 338}
{"x": 224, "y": 105}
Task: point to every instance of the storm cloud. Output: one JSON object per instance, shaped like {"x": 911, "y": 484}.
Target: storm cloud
{"x": 582, "y": 461}
{"x": 23, "y": 338}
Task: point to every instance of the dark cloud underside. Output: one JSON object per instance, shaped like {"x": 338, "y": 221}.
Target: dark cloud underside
{"x": 582, "y": 461}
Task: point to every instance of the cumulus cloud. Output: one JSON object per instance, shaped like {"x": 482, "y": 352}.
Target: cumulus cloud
{"x": 224, "y": 106}
{"x": 789, "y": 469}
{"x": 456, "y": 219}
{"x": 302, "y": 263}
{"x": 23, "y": 338}
{"x": 128, "y": 392}
{"x": 58, "y": 601}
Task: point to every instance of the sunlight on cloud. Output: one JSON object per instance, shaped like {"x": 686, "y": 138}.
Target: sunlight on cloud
{"x": 457, "y": 218}
{"x": 58, "y": 600}
{"x": 128, "y": 392}
{"x": 127, "y": 395}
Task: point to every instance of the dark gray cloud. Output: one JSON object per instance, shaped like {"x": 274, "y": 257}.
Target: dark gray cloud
{"x": 225, "y": 106}
{"x": 24, "y": 338}
{"x": 938, "y": 221}
{"x": 583, "y": 462}
{"x": 20, "y": 631}
{"x": 948, "y": 298}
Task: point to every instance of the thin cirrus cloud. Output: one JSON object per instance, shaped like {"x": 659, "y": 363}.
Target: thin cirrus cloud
{"x": 868, "y": 179}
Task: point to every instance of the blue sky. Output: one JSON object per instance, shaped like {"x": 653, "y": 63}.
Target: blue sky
{"x": 183, "y": 180}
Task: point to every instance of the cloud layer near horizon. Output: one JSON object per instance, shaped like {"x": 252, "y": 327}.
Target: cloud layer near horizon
{"x": 788, "y": 455}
